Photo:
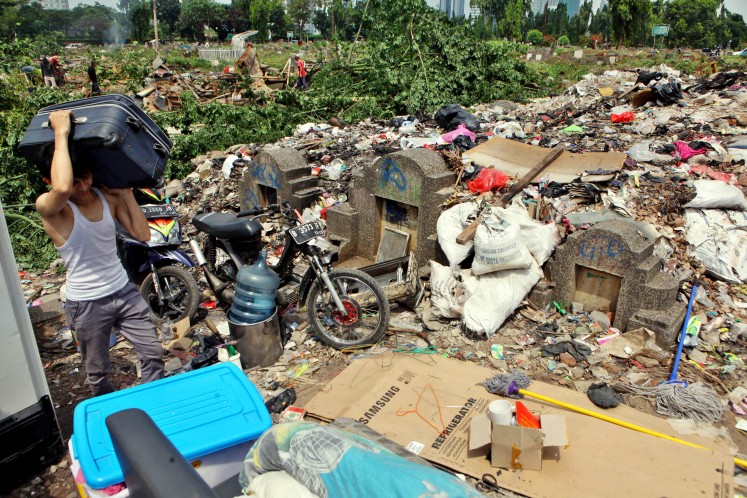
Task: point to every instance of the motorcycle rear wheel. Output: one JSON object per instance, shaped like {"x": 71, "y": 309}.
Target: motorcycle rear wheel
{"x": 367, "y": 310}
{"x": 180, "y": 291}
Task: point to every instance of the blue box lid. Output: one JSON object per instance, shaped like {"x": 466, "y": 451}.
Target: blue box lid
{"x": 201, "y": 412}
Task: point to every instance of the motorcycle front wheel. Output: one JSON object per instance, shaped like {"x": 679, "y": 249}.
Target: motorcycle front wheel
{"x": 181, "y": 295}
{"x": 367, "y": 310}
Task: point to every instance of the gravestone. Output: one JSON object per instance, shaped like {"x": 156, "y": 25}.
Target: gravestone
{"x": 403, "y": 192}
{"x": 275, "y": 176}
{"x": 612, "y": 267}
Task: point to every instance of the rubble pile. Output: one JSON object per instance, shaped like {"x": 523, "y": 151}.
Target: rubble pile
{"x": 681, "y": 184}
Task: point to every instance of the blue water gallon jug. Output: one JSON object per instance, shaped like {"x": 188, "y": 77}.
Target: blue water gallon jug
{"x": 256, "y": 288}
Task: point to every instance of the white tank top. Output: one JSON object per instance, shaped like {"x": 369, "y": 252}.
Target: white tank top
{"x": 90, "y": 256}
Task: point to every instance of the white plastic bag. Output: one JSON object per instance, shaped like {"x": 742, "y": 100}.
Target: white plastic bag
{"x": 717, "y": 239}
{"x": 448, "y": 227}
{"x": 498, "y": 246}
{"x": 715, "y": 194}
{"x": 495, "y": 296}
{"x": 448, "y": 294}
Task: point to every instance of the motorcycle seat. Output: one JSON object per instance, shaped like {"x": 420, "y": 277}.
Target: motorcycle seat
{"x": 227, "y": 226}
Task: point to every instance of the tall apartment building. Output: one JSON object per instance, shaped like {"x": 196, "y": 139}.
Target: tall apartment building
{"x": 454, "y": 8}
{"x": 539, "y": 5}
{"x": 55, "y": 4}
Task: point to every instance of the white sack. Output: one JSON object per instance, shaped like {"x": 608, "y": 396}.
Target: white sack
{"x": 448, "y": 294}
{"x": 718, "y": 239}
{"x": 448, "y": 227}
{"x": 498, "y": 245}
{"x": 540, "y": 239}
{"x": 495, "y": 296}
{"x": 278, "y": 484}
{"x": 715, "y": 194}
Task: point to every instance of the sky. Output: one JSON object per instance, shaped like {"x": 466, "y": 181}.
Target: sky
{"x": 738, "y": 6}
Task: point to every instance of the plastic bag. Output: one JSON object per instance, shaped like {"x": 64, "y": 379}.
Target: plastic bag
{"x": 487, "y": 179}
{"x": 459, "y": 131}
{"x": 625, "y": 117}
{"x": 668, "y": 93}
{"x": 449, "y": 117}
{"x": 685, "y": 152}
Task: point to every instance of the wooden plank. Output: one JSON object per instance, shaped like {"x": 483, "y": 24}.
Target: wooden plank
{"x": 469, "y": 232}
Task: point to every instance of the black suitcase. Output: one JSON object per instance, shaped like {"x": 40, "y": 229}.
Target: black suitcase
{"x": 127, "y": 148}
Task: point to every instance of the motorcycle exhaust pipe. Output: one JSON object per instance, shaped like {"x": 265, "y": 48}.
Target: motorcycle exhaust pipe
{"x": 223, "y": 289}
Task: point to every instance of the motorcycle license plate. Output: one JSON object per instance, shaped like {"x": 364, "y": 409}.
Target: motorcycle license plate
{"x": 306, "y": 232}
{"x": 153, "y": 211}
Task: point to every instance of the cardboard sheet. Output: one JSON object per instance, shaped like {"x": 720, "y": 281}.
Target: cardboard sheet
{"x": 426, "y": 402}
{"x": 516, "y": 159}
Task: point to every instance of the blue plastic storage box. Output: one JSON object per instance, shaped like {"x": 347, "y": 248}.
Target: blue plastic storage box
{"x": 201, "y": 412}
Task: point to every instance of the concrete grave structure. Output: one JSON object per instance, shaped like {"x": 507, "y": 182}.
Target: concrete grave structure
{"x": 611, "y": 267}
{"x": 275, "y": 176}
{"x": 399, "y": 194}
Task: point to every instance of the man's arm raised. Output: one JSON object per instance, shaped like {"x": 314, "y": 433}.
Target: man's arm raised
{"x": 61, "y": 173}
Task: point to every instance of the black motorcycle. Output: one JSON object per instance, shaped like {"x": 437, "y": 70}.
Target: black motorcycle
{"x": 346, "y": 307}
{"x": 159, "y": 266}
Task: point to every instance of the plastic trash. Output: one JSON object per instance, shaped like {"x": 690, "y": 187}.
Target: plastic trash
{"x": 488, "y": 179}
{"x": 572, "y": 129}
{"x": 449, "y": 117}
{"x": 625, "y": 117}
{"x": 256, "y": 287}
{"x": 460, "y": 130}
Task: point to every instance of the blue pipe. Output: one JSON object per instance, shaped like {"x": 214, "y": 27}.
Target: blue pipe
{"x": 673, "y": 376}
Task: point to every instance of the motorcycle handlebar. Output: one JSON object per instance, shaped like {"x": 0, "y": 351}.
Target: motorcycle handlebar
{"x": 272, "y": 208}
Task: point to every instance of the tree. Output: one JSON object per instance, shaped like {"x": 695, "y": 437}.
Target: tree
{"x": 300, "y": 12}
{"x": 260, "y": 12}
{"x": 692, "y": 22}
{"x": 279, "y": 22}
{"x": 579, "y": 24}
{"x": 734, "y": 29}
{"x": 626, "y": 16}
{"x": 167, "y": 12}
{"x": 601, "y": 23}
{"x": 535, "y": 37}
{"x": 198, "y": 15}
{"x": 141, "y": 17}
{"x": 510, "y": 24}
{"x": 563, "y": 40}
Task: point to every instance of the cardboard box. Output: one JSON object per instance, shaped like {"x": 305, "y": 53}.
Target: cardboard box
{"x": 514, "y": 447}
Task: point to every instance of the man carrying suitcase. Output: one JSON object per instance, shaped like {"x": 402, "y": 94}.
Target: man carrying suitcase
{"x": 80, "y": 221}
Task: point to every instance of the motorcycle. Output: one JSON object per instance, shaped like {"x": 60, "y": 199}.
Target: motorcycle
{"x": 345, "y": 307}
{"x": 158, "y": 265}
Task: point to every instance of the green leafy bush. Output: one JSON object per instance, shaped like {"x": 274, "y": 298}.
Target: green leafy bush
{"x": 563, "y": 41}
{"x": 534, "y": 37}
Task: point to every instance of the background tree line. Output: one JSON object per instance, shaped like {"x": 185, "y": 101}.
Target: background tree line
{"x": 694, "y": 23}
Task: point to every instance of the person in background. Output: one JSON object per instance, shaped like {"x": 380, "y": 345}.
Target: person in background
{"x": 48, "y": 72}
{"x": 99, "y": 297}
{"x": 95, "y": 89}
{"x": 301, "y": 68}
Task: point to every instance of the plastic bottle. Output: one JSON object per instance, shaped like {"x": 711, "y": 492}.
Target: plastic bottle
{"x": 256, "y": 288}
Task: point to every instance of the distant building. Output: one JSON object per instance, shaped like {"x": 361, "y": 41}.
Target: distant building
{"x": 454, "y": 8}
{"x": 55, "y": 4}
{"x": 573, "y": 7}
{"x": 539, "y": 5}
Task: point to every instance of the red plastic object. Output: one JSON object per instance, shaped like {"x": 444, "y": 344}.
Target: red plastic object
{"x": 525, "y": 418}
{"x": 625, "y": 117}
{"x": 486, "y": 180}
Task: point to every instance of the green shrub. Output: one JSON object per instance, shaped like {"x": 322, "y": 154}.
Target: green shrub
{"x": 563, "y": 40}
{"x": 534, "y": 37}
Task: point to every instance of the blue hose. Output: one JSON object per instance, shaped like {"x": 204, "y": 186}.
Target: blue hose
{"x": 673, "y": 376}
